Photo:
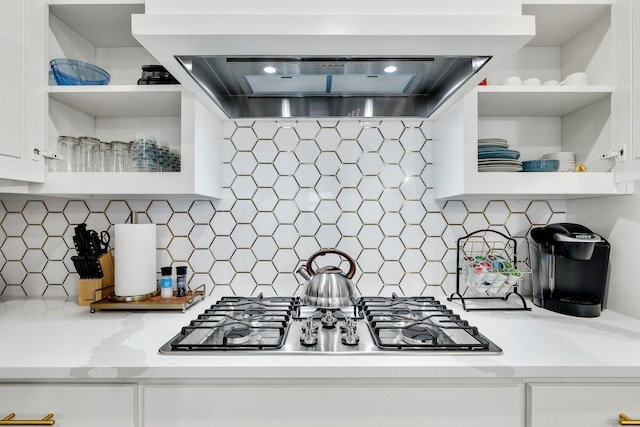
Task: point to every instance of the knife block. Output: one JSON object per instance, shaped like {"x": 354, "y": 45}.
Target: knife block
{"x": 91, "y": 290}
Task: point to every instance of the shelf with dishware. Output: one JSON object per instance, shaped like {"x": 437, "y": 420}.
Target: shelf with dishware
{"x": 196, "y": 131}
{"x": 133, "y": 101}
{"x": 561, "y": 93}
{"x": 456, "y": 159}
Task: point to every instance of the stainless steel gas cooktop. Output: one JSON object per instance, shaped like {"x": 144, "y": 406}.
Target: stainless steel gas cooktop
{"x": 376, "y": 325}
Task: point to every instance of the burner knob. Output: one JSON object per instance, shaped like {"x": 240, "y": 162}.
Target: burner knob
{"x": 329, "y": 320}
{"x": 350, "y": 337}
{"x": 308, "y": 338}
{"x": 348, "y": 324}
{"x": 310, "y": 325}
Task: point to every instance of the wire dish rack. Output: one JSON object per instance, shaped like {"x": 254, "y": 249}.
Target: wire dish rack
{"x": 487, "y": 269}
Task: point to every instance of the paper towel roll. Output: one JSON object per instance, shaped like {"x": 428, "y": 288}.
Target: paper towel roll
{"x": 134, "y": 249}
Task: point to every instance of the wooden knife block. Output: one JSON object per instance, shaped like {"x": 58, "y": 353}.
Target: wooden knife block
{"x": 91, "y": 290}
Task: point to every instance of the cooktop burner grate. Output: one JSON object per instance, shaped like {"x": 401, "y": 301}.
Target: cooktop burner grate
{"x": 419, "y": 323}
{"x": 375, "y": 325}
{"x": 237, "y": 323}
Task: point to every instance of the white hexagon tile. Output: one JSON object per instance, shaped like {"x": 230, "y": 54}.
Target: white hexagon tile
{"x": 290, "y": 188}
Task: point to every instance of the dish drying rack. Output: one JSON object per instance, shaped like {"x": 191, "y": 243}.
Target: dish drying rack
{"x": 486, "y": 263}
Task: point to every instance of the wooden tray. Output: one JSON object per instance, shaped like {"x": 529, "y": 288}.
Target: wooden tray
{"x": 153, "y": 303}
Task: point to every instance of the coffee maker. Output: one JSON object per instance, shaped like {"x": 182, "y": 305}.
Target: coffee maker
{"x": 569, "y": 264}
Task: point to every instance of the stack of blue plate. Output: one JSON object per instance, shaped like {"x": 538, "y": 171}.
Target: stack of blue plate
{"x": 542, "y": 165}
{"x": 494, "y": 155}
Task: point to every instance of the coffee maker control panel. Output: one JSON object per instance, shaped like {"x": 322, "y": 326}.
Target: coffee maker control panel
{"x": 577, "y": 237}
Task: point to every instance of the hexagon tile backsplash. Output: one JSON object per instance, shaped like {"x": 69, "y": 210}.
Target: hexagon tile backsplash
{"x": 290, "y": 188}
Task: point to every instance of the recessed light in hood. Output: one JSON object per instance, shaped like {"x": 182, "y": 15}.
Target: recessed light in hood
{"x": 329, "y": 86}
{"x": 329, "y": 57}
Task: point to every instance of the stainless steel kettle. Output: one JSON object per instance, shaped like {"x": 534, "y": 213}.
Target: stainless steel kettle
{"x": 329, "y": 286}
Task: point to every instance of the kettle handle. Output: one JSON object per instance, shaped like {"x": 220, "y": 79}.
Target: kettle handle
{"x": 352, "y": 263}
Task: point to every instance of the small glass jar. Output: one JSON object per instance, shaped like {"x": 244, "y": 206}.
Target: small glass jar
{"x": 144, "y": 154}
{"x": 104, "y": 157}
{"x": 119, "y": 156}
{"x": 67, "y": 147}
{"x": 89, "y": 154}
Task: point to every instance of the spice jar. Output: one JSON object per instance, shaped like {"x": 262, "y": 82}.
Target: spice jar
{"x": 166, "y": 285}
{"x": 181, "y": 281}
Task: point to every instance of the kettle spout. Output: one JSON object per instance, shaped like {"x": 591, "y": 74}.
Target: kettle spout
{"x": 303, "y": 272}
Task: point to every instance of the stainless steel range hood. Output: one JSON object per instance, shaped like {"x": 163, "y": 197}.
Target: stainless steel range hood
{"x": 407, "y": 58}
{"x": 330, "y": 87}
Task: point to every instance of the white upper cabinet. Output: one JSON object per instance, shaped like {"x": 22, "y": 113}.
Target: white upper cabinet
{"x": 22, "y": 82}
{"x": 99, "y": 32}
{"x": 631, "y": 170}
{"x": 589, "y": 120}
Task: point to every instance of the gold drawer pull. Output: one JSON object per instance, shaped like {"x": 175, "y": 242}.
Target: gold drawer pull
{"x": 9, "y": 421}
{"x": 626, "y": 421}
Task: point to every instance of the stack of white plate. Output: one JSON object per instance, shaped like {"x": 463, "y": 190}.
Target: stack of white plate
{"x": 492, "y": 143}
{"x": 494, "y": 155}
{"x": 567, "y": 160}
{"x": 499, "y": 165}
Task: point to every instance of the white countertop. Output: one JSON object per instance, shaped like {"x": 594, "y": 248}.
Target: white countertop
{"x": 57, "y": 339}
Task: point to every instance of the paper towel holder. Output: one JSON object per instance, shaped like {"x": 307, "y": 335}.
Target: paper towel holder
{"x": 134, "y": 217}
{"x": 135, "y": 260}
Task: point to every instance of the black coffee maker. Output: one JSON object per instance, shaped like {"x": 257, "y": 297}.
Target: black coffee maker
{"x": 569, "y": 264}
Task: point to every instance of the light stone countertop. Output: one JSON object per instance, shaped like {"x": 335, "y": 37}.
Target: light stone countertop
{"x": 57, "y": 339}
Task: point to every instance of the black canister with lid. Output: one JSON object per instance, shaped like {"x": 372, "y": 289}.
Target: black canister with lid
{"x": 181, "y": 281}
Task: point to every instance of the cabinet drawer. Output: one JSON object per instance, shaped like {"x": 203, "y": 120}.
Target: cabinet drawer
{"x": 335, "y": 405}
{"x": 583, "y": 405}
{"x": 72, "y": 405}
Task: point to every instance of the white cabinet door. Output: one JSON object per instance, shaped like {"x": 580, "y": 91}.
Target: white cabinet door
{"x": 580, "y": 405}
{"x": 328, "y": 404}
{"x": 630, "y": 170}
{"x": 72, "y": 405}
{"x": 22, "y": 99}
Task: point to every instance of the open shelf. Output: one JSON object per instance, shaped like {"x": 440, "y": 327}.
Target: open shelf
{"x": 551, "y": 185}
{"x": 554, "y": 101}
{"x": 106, "y": 23}
{"x": 121, "y": 100}
{"x": 557, "y": 22}
{"x": 117, "y": 184}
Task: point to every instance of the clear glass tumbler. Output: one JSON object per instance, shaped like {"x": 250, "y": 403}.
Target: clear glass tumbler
{"x": 174, "y": 155}
{"x": 119, "y": 156}
{"x": 89, "y": 154}
{"x": 67, "y": 147}
{"x": 144, "y": 154}
{"x": 164, "y": 158}
{"x": 104, "y": 157}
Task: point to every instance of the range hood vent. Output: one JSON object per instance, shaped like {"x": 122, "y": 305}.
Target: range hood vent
{"x": 330, "y": 58}
{"x": 329, "y": 87}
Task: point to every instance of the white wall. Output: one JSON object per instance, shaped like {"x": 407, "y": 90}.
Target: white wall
{"x": 617, "y": 219}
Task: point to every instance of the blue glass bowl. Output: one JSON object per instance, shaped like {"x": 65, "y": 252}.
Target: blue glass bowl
{"x": 543, "y": 165}
{"x": 69, "y": 72}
